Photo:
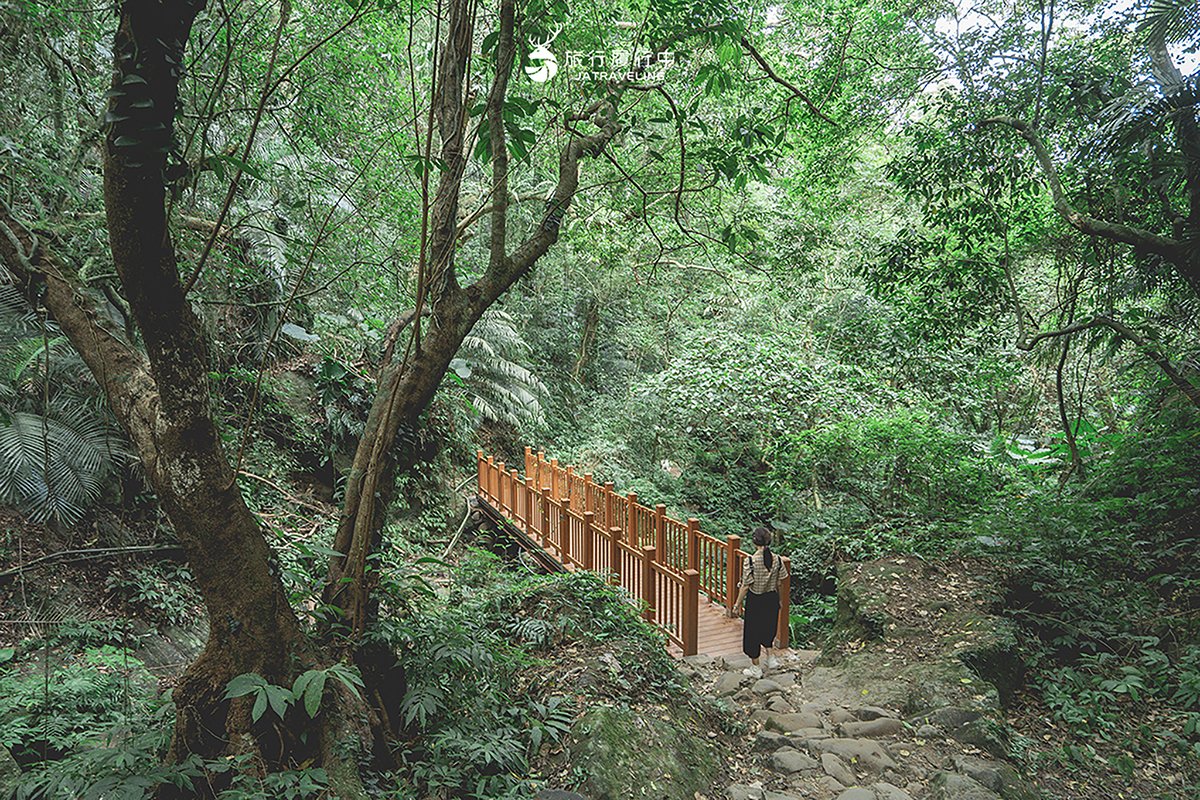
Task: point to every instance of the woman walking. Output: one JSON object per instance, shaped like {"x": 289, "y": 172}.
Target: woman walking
{"x": 760, "y": 593}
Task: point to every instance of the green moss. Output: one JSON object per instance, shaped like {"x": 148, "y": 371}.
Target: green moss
{"x": 623, "y": 754}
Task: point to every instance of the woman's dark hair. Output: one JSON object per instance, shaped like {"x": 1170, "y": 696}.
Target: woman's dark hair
{"x": 762, "y": 536}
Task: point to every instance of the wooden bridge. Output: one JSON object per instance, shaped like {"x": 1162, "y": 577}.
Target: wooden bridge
{"x": 685, "y": 578}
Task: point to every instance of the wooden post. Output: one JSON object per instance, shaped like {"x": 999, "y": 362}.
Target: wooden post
{"x": 568, "y": 491}
{"x": 660, "y": 535}
{"x": 614, "y": 555}
{"x": 554, "y": 479}
{"x": 490, "y": 472}
{"x": 733, "y": 569}
{"x": 564, "y": 530}
{"x": 589, "y": 502}
{"x": 690, "y": 624}
{"x": 546, "y": 531}
{"x": 648, "y": 555}
{"x": 631, "y": 532}
{"x": 785, "y": 606}
{"x": 693, "y": 544}
{"x": 539, "y": 478}
{"x": 589, "y": 540}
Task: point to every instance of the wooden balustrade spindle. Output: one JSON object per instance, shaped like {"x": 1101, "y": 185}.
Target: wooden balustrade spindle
{"x": 513, "y": 481}
{"x": 547, "y": 540}
{"x": 610, "y": 504}
{"x": 564, "y": 529}
{"x": 693, "y": 543}
{"x": 631, "y": 526}
{"x": 648, "y": 557}
{"x": 660, "y": 534}
{"x": 589, "y": 540}
{"x": 733, "y": 569}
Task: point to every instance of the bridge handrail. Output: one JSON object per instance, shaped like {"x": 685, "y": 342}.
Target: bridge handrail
{"x": 662, "y": 561}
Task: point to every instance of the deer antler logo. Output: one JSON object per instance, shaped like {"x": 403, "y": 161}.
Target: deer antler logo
{"x": 542, "y": 64}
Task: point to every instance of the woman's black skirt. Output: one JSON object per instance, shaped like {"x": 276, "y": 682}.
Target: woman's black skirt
{"x": 760, "y": 622}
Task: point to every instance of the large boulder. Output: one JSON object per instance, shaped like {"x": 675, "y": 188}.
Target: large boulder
{"x": 10, "y": 772}
{"x": 622, "y": 754}
{"x": 958, "y": 653}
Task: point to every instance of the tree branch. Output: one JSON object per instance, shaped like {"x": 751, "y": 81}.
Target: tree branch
{"x": 1170, "y": 249}
{"x": 796, "y": 93}
{"x": 1189, "y": 389}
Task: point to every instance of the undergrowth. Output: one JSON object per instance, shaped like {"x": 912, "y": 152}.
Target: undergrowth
{"x": 473, "y": 719}
{"x": 1101, "y": 578}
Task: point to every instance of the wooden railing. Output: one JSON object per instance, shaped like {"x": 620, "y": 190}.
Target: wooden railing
{"x": 661, "y": 561}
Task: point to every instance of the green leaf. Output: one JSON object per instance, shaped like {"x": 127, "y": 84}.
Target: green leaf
{"x": 348, "y": 676}
{"x": 250, "y": 170}
{"x": 302, "y": 682}
{"x": 260, "y": 705}
{"x": 280, "y": 698}
{"x": 312, "y": 694}
{"x": 244, "y": 684}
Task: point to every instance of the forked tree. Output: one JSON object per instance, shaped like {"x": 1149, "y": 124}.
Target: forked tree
{"x": 159, "y": 387}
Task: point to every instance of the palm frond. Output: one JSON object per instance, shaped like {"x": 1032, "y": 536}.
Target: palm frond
{"x": 1171, "y": 21}
{"x": 50, "y": 468}
{"x": 1139, "y": 116}
{"x": 498, "y": 388}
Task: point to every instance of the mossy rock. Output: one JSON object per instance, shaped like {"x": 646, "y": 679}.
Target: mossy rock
{"x": 958, "y": 654}
{"x": 917, "y": 687}
{"x": 993, "y": 654}
{"x": 10, "y": 772}
{"x": 862, "y": 609}
{"x": 624, "y": 754}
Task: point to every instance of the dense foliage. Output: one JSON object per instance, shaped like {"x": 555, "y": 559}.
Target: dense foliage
{"x": 822, "y": 279}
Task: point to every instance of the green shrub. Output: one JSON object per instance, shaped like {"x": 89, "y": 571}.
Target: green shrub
{"x": 49, "y": 714}
{"x": 899, "y": 465}
{"x": 162, "y": 592}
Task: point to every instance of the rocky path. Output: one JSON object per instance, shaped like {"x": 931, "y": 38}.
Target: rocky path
{"x": 904, "y": 702}
{"x": 814, "y": 733}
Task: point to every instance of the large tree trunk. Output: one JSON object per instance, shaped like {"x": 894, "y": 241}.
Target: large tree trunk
{"x": 406, "y": 387}
{"x": 163, "y": 398}
{"x": 252, "y": 626}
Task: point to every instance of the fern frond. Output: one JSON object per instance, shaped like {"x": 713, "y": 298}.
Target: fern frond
{"x": 50, "y": 468}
